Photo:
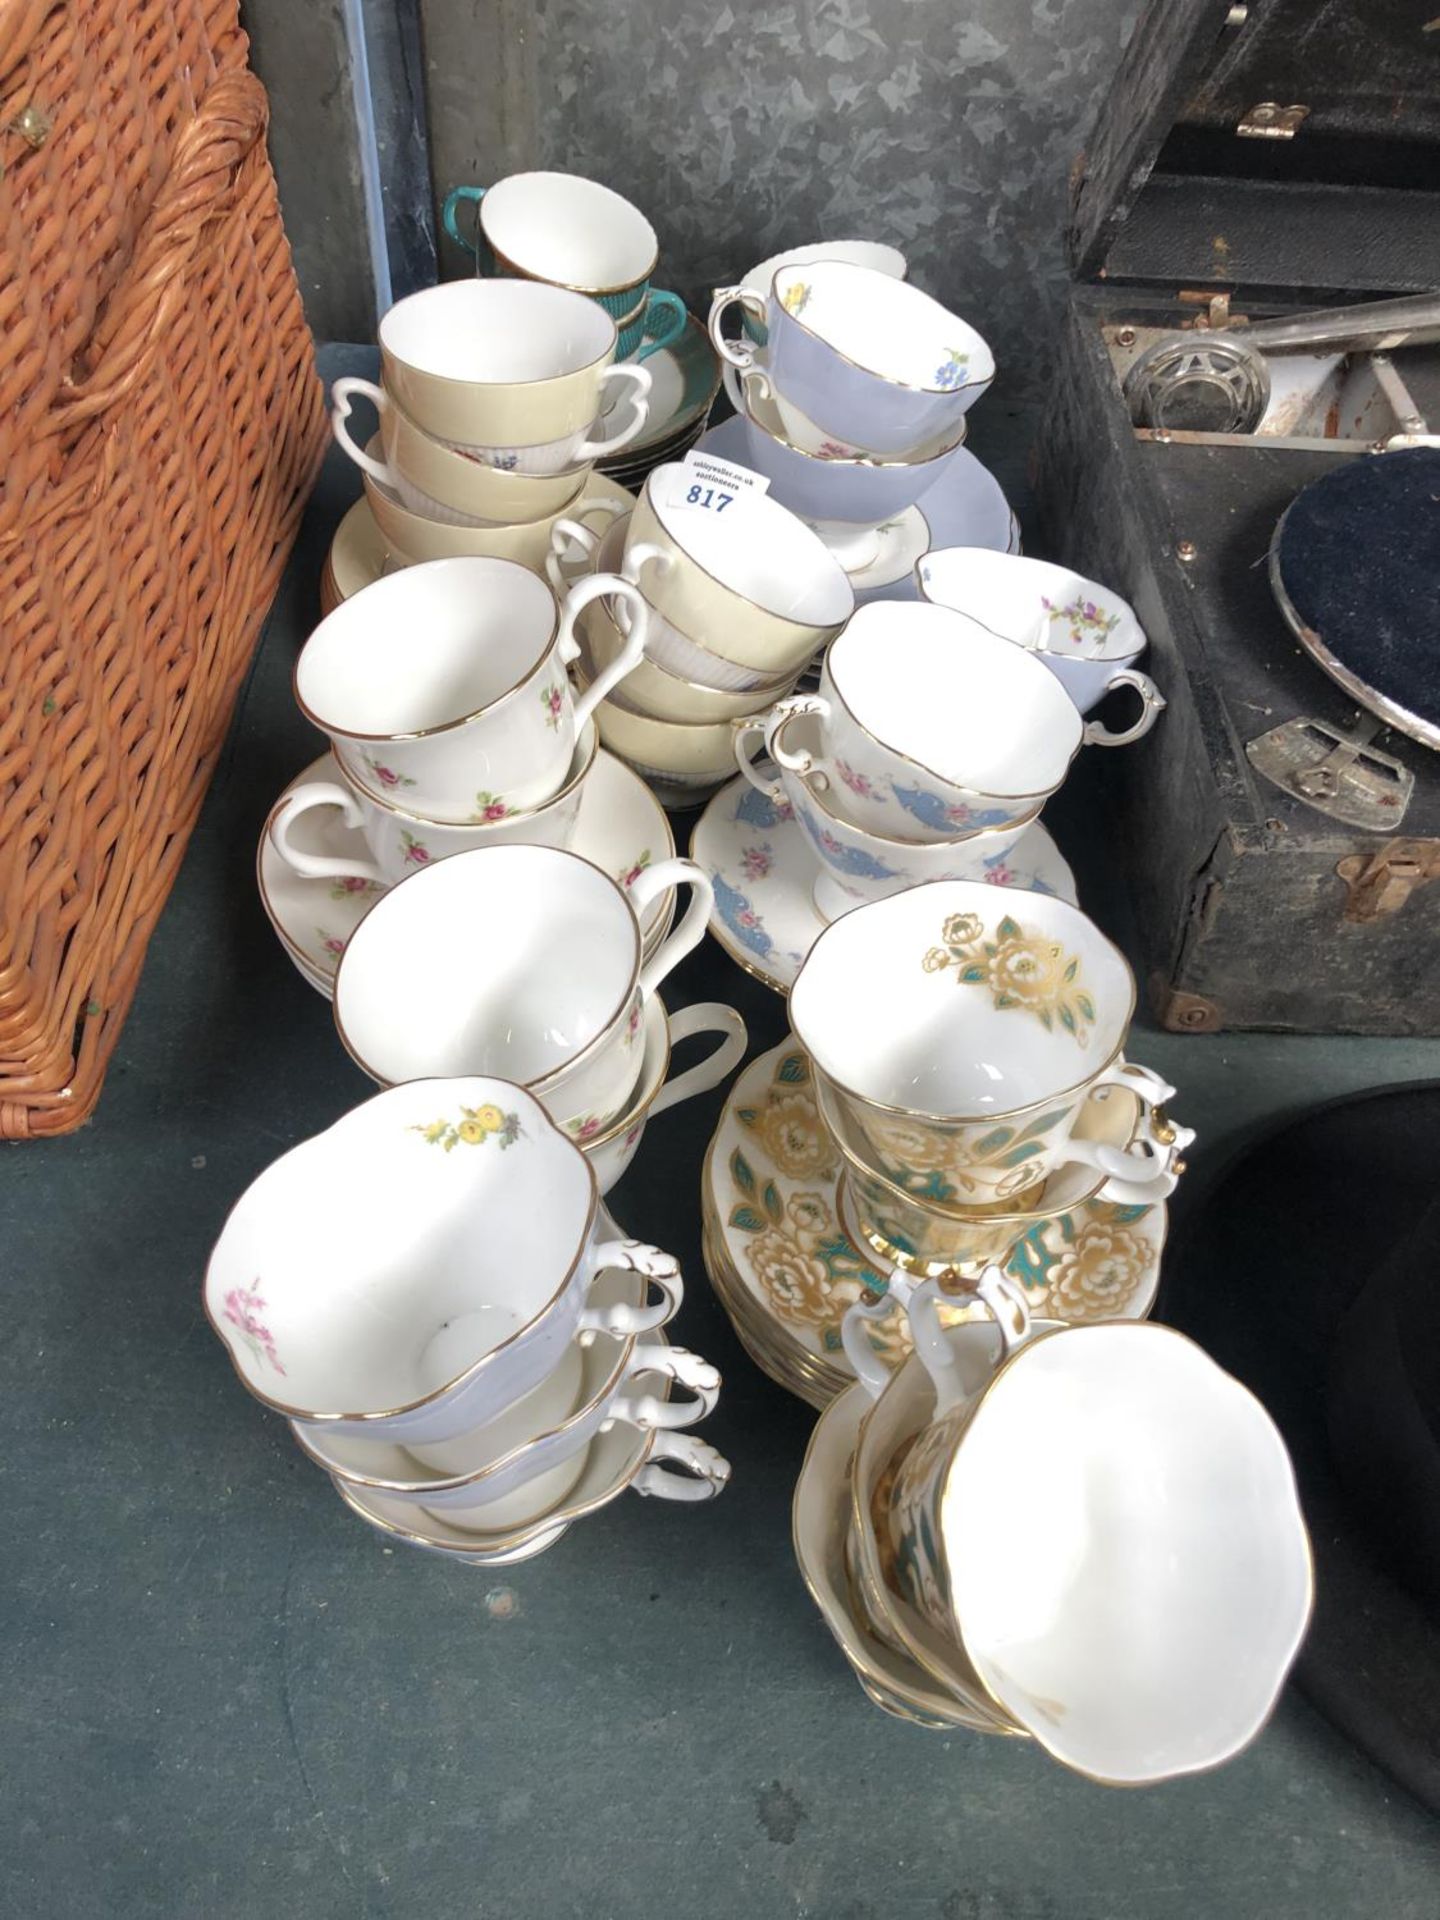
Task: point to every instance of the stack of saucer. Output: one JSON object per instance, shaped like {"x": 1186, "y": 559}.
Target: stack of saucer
{"x": 1058, "y": 1533}
{"x": 576, "y": 233}
{"x": 431, "y": 1293}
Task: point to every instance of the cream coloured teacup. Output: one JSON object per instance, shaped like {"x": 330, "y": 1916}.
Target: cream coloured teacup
{"x": 399, "y": 842}
{"x": 412, "y": 537}
{"x": 443, "y": 686}
{"x": 998, "y": 1015}
{"x": 504, "y": 366}
{"x": 558, "y": 1001}
{"x": 412, "y": 1271}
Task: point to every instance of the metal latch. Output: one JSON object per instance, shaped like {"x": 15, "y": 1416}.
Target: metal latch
{"x": 1339, "y": 774}
{"x": 1381, "y": 883}
{"x": 1270, "y": 121}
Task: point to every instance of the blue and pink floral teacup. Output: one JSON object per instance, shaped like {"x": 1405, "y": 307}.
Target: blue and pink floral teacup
{"x": 580, "y": 235}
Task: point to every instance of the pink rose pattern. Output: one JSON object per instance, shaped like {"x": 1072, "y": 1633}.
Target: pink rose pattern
{"x": 756, "y": 862}
{"x": 351, "y": 883}
{"x": 490, "y": 806}
{"x": 553, "y": 702}
{"x": 416, "y": 854}
{"x": 243, "y": 1307}
{"x": 387, "y": 776}
{"x": 859, "y": 784}
{"x": 632, "y": 873}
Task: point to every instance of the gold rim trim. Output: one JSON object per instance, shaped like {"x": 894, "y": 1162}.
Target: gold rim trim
{"x": 443, "y": 726}
{"x": 551, "y": 1074}
{"x": 466, "y": 1374}
{"x": 909, "y": 386}
{"x": 921, "y": 1113}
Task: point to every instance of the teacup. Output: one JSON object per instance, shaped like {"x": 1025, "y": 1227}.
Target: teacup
{"x": 610, "y": 1149}
{"x": 837, "y": 493}
{"x": 658, "y": 691}
{"x": 908, "y": 1234}
{"x": 857, "y": 253}
{"x": 1087, "y": 635}
{"x": 399, "y": 842}
{"x": 412, "y": 537}
{"x": 575, "y": 233}
{"x": 415, "y": 1269}
{"x": 750, "y": 582}
{"x": 443, "y": 686}
{"x": 860, "y": 357}
{"x": 444, "y": 484}
{"x": 665, "y": 645}
{"x": 856, "y": 863}
{"x": 557, "y": 1003}
{"x": 525, "y": 1462}
{"x": 1001, "y": 1013}
{"x": 502, "y": 365}
{"x": 1110, "y": 1533}
{"x": 683, "y": 753}
{"x": 931, "y": 726}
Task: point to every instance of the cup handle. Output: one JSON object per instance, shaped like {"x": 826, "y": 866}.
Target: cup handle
{"x": 703, "y": 1472}
{"x": 691, "y": 930}
{"x": 1008, "y": 1308}
{"x": 596, "y": 586}
{"x": 746, "y": 731}
{"x": 869, "y": 1369}
{"x": 1152, "y": 705}
{"x": 737, "y": 353}
{"x": 1146, "y": 1169}
{"x": 450, "y": 215}
{"x": 672, "y": 307}
{"x": 586, "y": 538}
{"x": 660, "y": 1269}
{"x": 739, "y": 386}
{"x": 648, "y": 1411}
{"x": 802, "y": 763}
{"x": 628, "y": 375}
{"x": 340, "y": 408}
{"x": 706, "y": 1016}
{"x": 317, "y": 866}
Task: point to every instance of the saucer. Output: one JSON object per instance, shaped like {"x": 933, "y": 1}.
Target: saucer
{"x": 621, "y": 829}
{"x": 684, "y": 380}
{"x": 768, "y": 1193}
{"x": 765, "y": 916}
{"x": 357, "y": 552}
{"x": 966, "y": 507}
{"x": 820, "y": 1517}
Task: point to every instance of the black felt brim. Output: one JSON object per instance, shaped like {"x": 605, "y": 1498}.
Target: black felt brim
{"x": 1260, "y": 1273}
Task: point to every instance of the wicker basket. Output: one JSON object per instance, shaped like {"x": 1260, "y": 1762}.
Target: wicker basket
{"x": 160, "y": 424}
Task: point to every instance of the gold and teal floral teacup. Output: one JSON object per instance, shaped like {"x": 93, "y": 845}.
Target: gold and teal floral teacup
{"x": 994, "y": 1017}
{"x": 1096, "y": 1518}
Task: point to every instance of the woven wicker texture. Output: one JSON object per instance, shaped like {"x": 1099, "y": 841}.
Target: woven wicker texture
{"x": 160, "y": 424}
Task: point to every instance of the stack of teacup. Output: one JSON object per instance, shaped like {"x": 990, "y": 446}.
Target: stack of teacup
{"x": 1087, "y": 1535}
{"x": 987, "y": 1088}
{"x": 493, "y": 412}
{"x": 930, "y": 748}
{"x": 431, "y": 1294}
{"x": 739, "y": 595}
{"x": 463, "y": 755}
{"x": 852, "y": 386}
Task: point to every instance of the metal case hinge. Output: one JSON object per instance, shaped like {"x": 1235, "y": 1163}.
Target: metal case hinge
{"x": 1380, "y": 884}
{"x": 1270, "y": 121}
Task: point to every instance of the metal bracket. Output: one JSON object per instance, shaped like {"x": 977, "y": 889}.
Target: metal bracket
{"x": 1270, "y": 121}
{"x": 1339, "y": 774}
{"x": 1181, "y": 1012}
{"x": 1380, "y": 885}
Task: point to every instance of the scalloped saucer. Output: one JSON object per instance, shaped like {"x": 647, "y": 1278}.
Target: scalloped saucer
{"x": 622, "y": 829}
{"x": 760, "y": 862}
{"x": 965, "y": 508}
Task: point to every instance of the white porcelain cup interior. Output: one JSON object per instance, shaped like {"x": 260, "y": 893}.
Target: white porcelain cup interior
{"x": 510, "y": 332}
{"x": 570, "y": 230}
{"x": 992, "y": 1000}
